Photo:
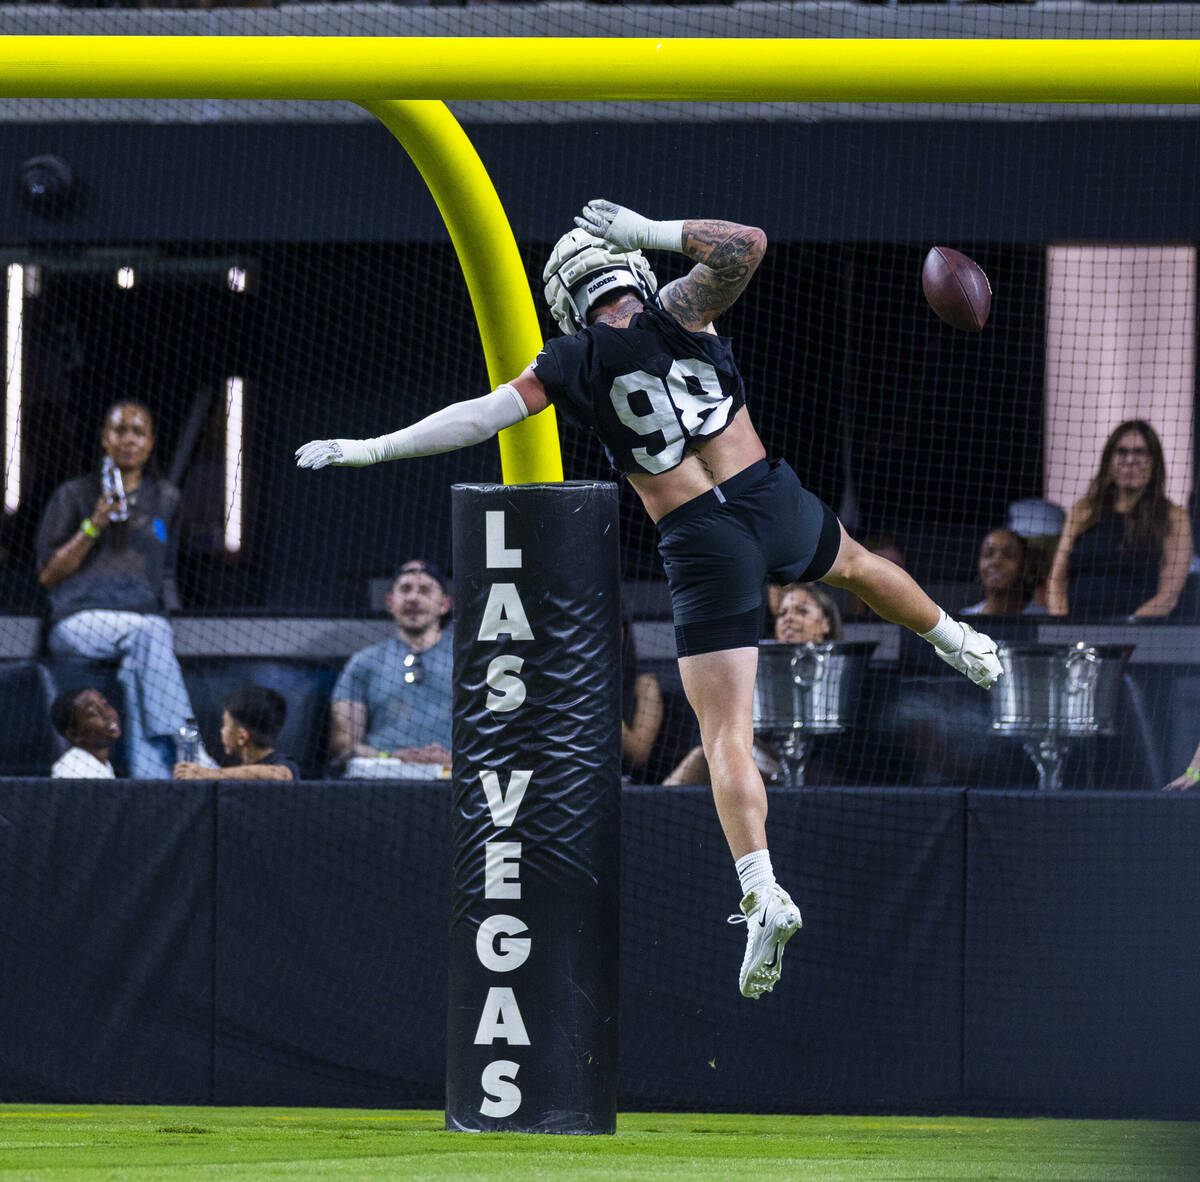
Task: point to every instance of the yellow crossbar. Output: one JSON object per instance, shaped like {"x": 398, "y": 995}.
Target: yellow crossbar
{"x": 727, "y": 69}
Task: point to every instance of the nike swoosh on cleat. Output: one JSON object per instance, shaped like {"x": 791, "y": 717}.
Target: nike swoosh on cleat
{"x": 762, "y": 923}
{"x": 770, "y": 964}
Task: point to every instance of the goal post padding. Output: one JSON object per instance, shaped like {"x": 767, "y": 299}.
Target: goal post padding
{"x": 532, "y": 1028}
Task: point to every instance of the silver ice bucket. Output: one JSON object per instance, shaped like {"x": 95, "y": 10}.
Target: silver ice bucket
{"x": 1058, "y": 690}
{"x": 808, "y": 689}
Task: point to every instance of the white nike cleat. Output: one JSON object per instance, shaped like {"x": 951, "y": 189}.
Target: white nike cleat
{"x": 977, "y": 658}
{"x": 770, "y": 923}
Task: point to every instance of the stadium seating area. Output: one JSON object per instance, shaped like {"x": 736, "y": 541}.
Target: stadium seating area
{"x": 928, "y": 433}
{"x": 914, "y": 724}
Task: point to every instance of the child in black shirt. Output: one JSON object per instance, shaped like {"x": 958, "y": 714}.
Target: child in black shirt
{"x": 250, "y": 723}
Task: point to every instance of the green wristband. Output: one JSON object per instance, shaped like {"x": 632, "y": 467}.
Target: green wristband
{"x": 1192, "y": 774}
{"x": 89, "y": 528}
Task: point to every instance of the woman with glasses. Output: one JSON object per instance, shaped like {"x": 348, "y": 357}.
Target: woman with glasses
{"x": 1125, "y": 548}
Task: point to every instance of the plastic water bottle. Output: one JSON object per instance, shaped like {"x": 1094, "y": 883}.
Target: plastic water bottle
{"x": 187, "y": 742}
{"x": 114, "y": 489}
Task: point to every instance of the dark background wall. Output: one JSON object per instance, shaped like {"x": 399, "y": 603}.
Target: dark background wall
{"x": 358, "y": 321}
{"x": 962, "y": 951}
{"x": 1127, "y": 178}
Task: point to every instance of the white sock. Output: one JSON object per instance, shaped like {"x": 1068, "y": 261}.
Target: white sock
{"x": 946, "y": 634}
{"x": 754, "y": 872}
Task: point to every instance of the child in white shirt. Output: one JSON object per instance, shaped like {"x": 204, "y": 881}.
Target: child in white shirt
{"x": 90, "y": 723}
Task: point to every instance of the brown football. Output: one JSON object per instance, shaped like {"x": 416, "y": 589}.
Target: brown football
{"x": 956, "y": 288}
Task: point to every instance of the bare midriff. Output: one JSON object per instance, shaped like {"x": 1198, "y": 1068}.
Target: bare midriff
{"x": 708, "y": 462}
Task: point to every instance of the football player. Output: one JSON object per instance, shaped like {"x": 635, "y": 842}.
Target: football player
{"x": 646, "y": 370}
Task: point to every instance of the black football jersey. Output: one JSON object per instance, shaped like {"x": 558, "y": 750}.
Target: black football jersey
{"x": 647, "y": 390}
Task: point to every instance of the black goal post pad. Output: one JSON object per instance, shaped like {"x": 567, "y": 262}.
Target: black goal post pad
{"x": 532, "y": 1026}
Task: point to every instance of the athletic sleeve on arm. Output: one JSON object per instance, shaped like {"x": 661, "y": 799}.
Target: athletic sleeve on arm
{"x": 459, "y": 425}
{"x": 514, "y": 395}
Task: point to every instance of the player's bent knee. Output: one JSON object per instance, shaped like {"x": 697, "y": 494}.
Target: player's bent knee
{"x": 728, "y": 754}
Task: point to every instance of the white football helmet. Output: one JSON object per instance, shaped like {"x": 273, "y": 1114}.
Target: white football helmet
{"x": 583, "y": 269}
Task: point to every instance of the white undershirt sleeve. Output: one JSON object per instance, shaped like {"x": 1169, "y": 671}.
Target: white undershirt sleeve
{"x": 459, "y": 425}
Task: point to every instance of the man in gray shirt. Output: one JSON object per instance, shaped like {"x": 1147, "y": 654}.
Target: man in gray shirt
{"x": 392, "y": 703}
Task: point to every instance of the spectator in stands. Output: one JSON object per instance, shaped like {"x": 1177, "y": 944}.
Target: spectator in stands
{"x": 1039, "y": 523}
{"x": 1125, "y": 548}
{"x": 807, "y": 615}
{"x": 1004, "y": 573}
{"x": 641, "y": 706}
{"x": 91, "y": 725}
{"x": 392, "y": 704}
{"x": 106, "y": 557}
{"x": 251, "y": 720}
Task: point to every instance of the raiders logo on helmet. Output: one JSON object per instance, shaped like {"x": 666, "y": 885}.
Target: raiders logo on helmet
{"x": 583, "y": 269}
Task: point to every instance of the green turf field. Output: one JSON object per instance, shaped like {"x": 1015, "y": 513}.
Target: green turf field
{"x": 98, "y": 1143}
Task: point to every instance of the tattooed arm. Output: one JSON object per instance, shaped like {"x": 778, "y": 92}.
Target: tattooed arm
{"x": 726, "y": 256}
{"x": 725, "y": 253}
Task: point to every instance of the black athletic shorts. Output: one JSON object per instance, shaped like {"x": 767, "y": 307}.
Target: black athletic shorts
{"x": 720, "y": 547}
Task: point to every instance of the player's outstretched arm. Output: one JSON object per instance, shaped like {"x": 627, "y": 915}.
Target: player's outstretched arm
{"x": 456, "y": 426}
{"x": 726, "y": 255}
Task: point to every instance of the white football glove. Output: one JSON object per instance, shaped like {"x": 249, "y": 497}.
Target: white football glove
{"x": 626, "y": 230}
{"x": 345, "y": 453}
{"x": 977, "y": 658}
